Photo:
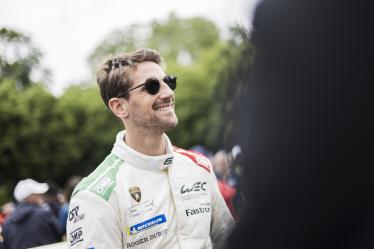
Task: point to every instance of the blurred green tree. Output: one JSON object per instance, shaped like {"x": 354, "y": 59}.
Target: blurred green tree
{"x": 19, "y": 58}
{"x": 88, "y": 130}
{"x": 232, "y": 82}
{"x": 26, "y": 137}
{"x": 49, "y": 138}
{"x": 119, "y": 41}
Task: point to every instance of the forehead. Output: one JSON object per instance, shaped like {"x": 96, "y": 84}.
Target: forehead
{"x": 146, "y": 70}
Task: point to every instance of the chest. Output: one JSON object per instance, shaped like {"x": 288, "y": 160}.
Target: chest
{"x": 162, "y": 206}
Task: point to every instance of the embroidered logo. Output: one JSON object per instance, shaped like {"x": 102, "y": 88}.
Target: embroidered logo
{"x": 135, "y": 193}
{"x": 168, "y": 161}
{"x": 155, "y": 221}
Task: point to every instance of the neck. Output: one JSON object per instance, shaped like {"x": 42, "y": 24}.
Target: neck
{"x": 147, "y": 144}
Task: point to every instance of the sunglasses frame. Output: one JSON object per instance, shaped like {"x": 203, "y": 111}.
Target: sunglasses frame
{"x": 170, "y": 80}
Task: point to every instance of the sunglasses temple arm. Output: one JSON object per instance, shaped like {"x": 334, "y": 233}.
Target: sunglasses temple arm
{"x": 124, "y": 94}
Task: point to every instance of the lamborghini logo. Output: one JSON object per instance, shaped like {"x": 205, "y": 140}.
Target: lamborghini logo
{"x": 135, "y": 193}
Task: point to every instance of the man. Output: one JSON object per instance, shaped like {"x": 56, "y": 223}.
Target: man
{"x": 146, "y": 193}
{"x": 5, "y": 211}
{"x": 30, "y": 224}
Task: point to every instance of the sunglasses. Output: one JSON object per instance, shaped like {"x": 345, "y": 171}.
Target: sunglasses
{"x": 152, "y": 85}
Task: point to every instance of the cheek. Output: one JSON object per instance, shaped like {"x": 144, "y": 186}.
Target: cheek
{"x": 141, "y": 107}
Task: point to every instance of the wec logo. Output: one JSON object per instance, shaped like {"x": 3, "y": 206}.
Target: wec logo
{"x": 197, "y": 186}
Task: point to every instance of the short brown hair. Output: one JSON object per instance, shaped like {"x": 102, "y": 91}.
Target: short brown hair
{"x": 112, "y": 76}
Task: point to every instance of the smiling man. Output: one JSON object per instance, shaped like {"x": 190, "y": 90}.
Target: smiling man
{"x": 146, "y": 193}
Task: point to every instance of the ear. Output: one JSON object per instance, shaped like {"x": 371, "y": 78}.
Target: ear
{"x": 119, "y": 106}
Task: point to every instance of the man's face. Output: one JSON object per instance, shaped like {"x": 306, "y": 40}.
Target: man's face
{"x": 153, "y": 113}
{"x": 221, "y": 164}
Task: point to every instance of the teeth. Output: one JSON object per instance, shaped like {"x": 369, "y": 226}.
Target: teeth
{"x": 164, "y": 108}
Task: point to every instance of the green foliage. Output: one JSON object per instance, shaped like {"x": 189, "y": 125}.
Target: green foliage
{"x": 194, "y": 102}
{"x": 18, "y": 58}
{"x": 49, "y": 138}
{"x": 118, "y": 41}
{"x": 181, "y": 41}
{"x": 232, "y": 81}
{"x": 25, "y": 141}
{"x": 88, "y": 129}
{"x": 176, "y": 37}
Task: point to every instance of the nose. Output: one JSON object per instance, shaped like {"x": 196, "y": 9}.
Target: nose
{"x": 165, "y": 91}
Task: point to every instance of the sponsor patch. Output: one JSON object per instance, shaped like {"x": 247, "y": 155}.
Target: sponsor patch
{"x": 74, "y": 215}
{"x": 142, "y": 208}
{"x": 146, "y": 239}
{"x": 142, "y": 226}
{"x": 135, "y": 193}
{"x": 108, "y": 169}
{"x": 196, "y": 187}
{"x": 195, "y": 191}
{"x": 76, "y": 236}
{"x": 103, "y": 185}
{"x": 168, "y": 161}
{"x": 201, "y": 210}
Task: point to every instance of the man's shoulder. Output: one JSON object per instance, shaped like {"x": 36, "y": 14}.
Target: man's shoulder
{"x": 102, "y": 180}
{"x": 195, "y": 157}
{"x": 43, "y": 213}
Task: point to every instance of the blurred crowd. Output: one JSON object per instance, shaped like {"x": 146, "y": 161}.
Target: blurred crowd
{"x": 38, "y": 216}
{"x": 228, "y": 170}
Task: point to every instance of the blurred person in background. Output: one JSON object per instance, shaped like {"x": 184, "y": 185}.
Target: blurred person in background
{"x": 5, "y": 211}
{"x": 203, "y": 150}
{"x": 307, "y": 128}
{"x": 221, "y": 167}
{"x": 221, "y": 164}
{"x": 57, "y": 202}
{"x": 53, "y": 199}
{"x": 227, "y": 180}
{"x": 30, "y": 224}
{"x": 1, "y": 238}
{"x": 146, "y": 193}
{"x": 63, "y": 214}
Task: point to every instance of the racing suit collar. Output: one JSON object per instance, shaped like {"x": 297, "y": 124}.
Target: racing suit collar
{"x": 122, "y": 150}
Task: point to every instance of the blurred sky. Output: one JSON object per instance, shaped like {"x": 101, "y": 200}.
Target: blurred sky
{"x": 68, "y": 31}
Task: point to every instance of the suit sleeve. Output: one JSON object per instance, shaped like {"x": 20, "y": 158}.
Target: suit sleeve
{"x": 92, "y": 223}
{"x": 222, "y": 221}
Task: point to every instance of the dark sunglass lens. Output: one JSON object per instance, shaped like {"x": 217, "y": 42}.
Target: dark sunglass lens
{"x": 171, "y": 81}
{"x": 152, "y": 86}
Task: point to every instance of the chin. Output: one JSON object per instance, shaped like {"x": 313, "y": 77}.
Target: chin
{"x": 171, "y": 124}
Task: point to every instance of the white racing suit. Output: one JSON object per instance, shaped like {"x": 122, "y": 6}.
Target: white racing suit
{"x": 136, "y": 201}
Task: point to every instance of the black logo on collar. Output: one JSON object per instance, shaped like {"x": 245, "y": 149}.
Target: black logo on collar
{"x": 168, "y": 161}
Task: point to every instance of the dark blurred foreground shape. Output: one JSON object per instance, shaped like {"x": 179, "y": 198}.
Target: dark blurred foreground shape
{"x": 306, "y": 125}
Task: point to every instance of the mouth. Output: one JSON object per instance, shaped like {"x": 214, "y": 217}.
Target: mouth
{"x": 165, "y": 106}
